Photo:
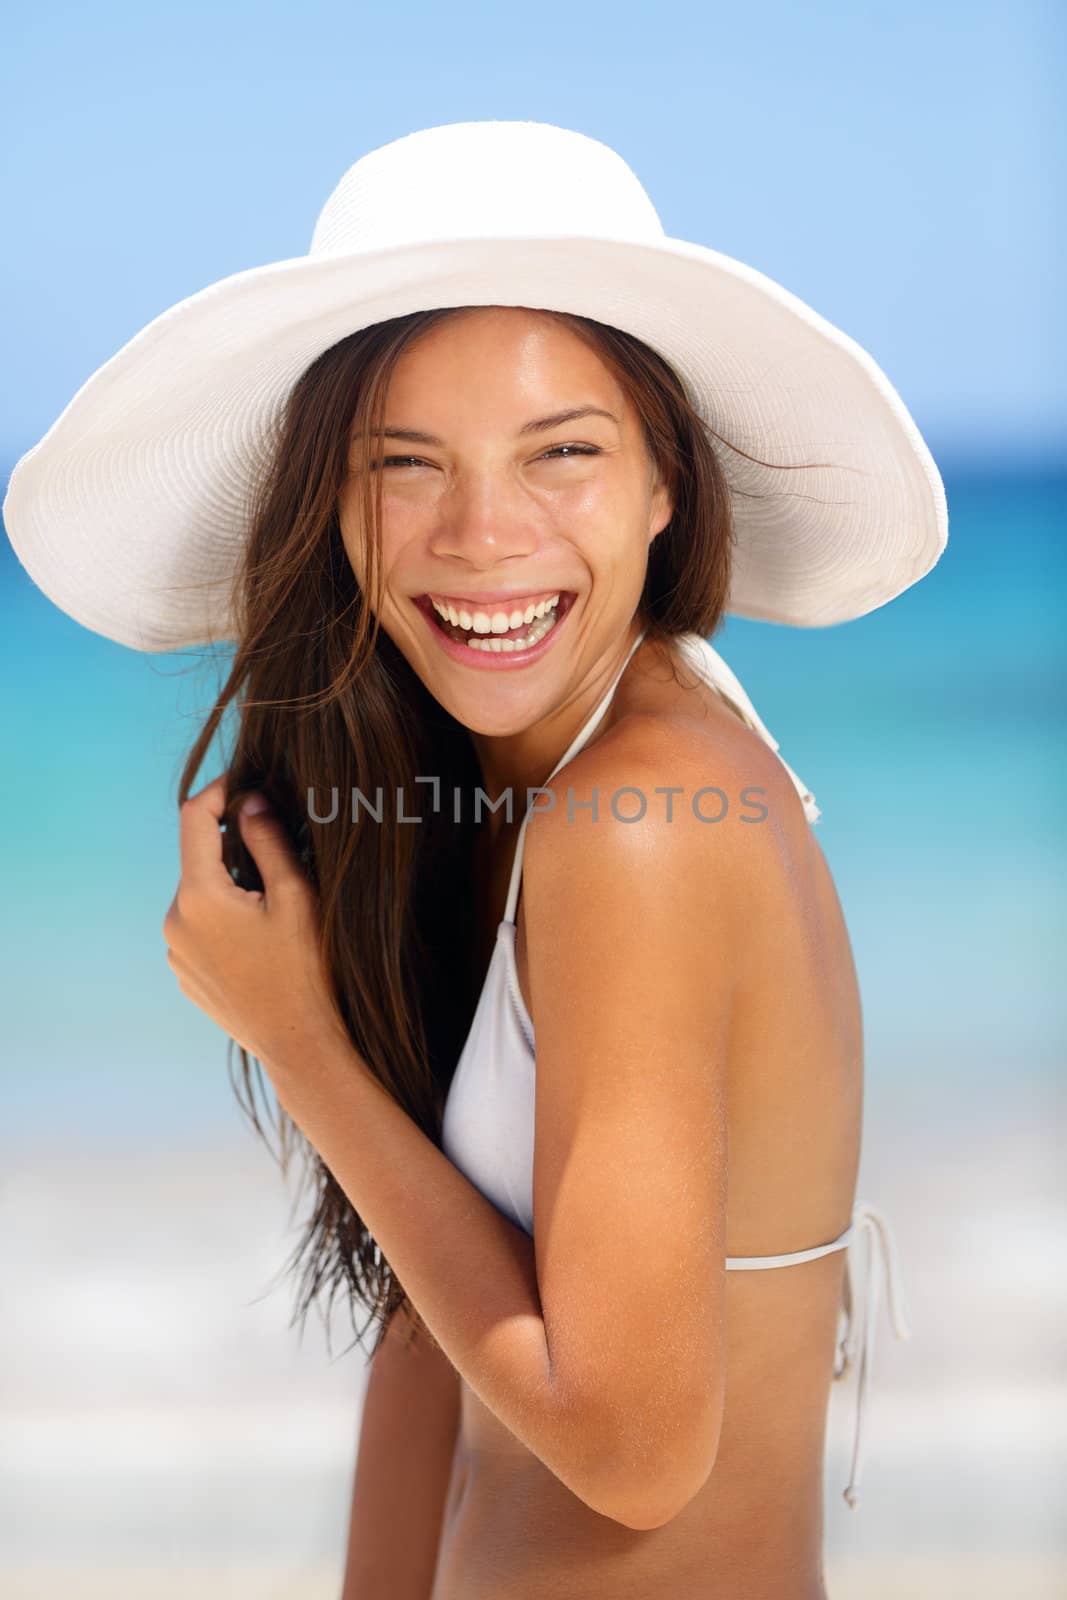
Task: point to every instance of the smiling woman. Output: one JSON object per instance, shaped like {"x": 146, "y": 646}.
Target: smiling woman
{"x": 568, "y": 1076}
{"x": 551, "y": 493}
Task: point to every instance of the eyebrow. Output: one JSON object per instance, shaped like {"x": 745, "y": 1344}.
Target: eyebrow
{"x": 542, "y": 424}
{"x": 538, "y": 425}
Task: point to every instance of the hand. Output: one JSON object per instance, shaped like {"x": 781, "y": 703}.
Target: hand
{"x": 249, "y": 958}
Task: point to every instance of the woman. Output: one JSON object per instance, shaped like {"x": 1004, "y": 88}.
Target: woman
{"x": 470, "y": 487}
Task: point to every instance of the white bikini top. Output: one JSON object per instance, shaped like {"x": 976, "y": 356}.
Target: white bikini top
{"x": 488, "y": 1129}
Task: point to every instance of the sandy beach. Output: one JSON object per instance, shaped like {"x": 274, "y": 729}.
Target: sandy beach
{"x": 957, "y": 1578}
{"x": 165, "y": 1428}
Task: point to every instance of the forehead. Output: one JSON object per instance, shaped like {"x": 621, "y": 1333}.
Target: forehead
{"x": 510, "y": 361}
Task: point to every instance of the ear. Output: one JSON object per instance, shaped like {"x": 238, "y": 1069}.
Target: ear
{"x": 660, "y": 508}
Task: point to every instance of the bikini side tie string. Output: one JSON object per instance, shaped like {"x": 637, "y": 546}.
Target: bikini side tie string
{"x": 881, "y": 1255}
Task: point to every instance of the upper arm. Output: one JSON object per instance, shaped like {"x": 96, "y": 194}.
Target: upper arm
{"x": 419, "y": 1384}
{"x": 408, "y": 1351}
{"x": 404, "y": 1462}
{"x": 630, "y": 932}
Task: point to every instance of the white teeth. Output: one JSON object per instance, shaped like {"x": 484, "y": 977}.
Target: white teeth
{"x": 482, "y": 622}
{"x": 532, "y": 636}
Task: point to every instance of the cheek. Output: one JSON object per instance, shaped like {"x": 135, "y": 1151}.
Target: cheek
{"x": 351, "y": 532}
{"x": 404, "y": 529}
{"x": 398, "y": 528}
{"x": 606, "y": 517}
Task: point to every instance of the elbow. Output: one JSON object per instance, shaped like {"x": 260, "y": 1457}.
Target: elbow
{"x": 647, "y": 1476}
{"x": 651, "y": 1499}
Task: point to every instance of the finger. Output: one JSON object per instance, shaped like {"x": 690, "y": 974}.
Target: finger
{"x": 200, "y": 839}
{"x": 183, "y": 972}
{"x": 170, "y": 920}
{"x": 269, "y": 845}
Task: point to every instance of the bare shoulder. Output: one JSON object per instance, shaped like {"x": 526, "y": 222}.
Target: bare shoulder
{"x": 688, "y": 792}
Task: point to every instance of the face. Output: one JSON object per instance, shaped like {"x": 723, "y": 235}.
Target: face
{"x": 490, "y": 510}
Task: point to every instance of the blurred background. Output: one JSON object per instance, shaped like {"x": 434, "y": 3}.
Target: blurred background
{"x": 896, "y": 166}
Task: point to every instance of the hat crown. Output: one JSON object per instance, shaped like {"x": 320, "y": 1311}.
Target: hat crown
{"x": 471, "y": 180}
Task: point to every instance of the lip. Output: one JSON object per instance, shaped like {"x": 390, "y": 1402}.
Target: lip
{"x": 498, "y": 660}
{"x": 494, "y": 597}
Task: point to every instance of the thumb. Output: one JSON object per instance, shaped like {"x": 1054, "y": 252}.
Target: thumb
{"x": 268, "y": 843}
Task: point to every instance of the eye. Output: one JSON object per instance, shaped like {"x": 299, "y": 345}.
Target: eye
{"x": 575, "y": 450}
{"x": 391, "y": 461}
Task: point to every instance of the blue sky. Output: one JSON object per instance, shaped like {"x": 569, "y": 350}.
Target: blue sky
{"x": 898, "y": 166}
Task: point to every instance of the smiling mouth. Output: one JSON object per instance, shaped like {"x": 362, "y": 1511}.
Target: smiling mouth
{"x": 523, "y": 637}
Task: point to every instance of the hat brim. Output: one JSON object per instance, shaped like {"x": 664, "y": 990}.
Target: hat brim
{"x": 131, "y": 511}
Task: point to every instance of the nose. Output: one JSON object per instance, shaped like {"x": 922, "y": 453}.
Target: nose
{"x": 484, "y": 520}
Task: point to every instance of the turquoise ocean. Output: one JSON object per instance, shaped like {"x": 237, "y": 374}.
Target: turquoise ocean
{"x": 157, "y": 1403}
{"x": 931, "y": 732}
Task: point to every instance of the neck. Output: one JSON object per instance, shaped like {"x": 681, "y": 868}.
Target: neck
{"x": 525, "y": 760}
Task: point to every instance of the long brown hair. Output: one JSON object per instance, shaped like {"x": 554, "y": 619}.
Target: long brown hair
{"x": 327, "y": 701}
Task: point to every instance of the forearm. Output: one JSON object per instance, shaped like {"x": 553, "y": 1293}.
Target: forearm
{"x": 470, "y": 1272}
{"x": 407, "y": 1442}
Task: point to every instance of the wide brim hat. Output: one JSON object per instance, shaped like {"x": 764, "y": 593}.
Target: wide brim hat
{"x": 132, "y": 510}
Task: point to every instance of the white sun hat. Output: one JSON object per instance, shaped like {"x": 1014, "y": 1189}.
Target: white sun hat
{"x": 131, "y": 512}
